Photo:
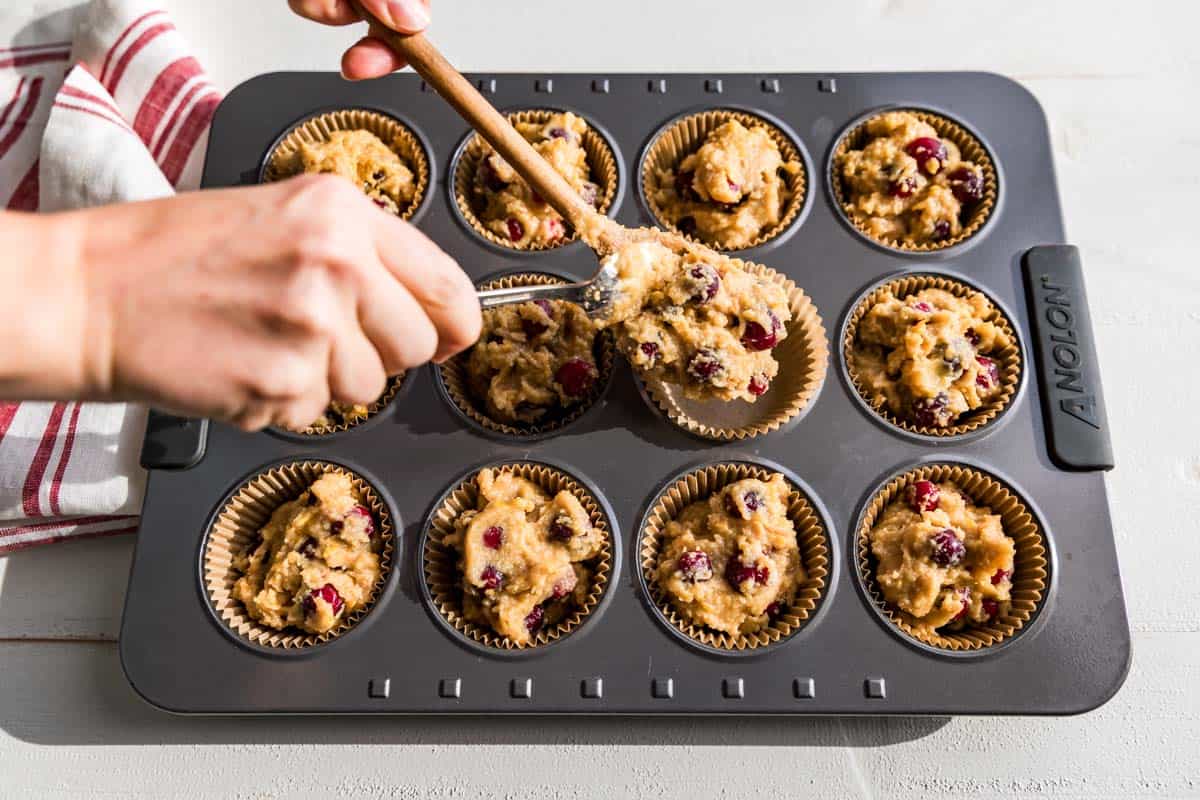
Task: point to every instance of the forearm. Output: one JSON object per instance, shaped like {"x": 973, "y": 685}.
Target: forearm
{"x": 43, "y": 308}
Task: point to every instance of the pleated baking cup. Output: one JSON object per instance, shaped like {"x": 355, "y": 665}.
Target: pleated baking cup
{"x": 602, "y": 166}
{"x": 803, "y": 362}
{"x": 687, "y": 135}
{"x": 443, "y": 578}
{"x": 811, "y": 537}
{"x": 283, "y": 162}
{"x": 389, "y": 394}
{"x": 453, "y": 375}
{"x": 1031, "y": 566}
{"x": 237, "y": 524}
{"x": 1008, "y": 361}
{"x": 971, "y": 148}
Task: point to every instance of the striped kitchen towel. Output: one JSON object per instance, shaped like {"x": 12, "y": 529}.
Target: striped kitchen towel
{"x": 98, "y": 104}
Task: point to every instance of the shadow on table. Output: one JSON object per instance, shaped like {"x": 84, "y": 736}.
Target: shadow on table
{"x": 74, "y": 693}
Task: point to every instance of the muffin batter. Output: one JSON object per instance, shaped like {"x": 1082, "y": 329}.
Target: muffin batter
{"x": 730, "y": 190}
{"x": 906, "y": 184}
{"x": 523, "y": 555}
{"x": 516, "y": 213}
{"x": 925, "y": 355}
{"x": 731, "y": 561}
{"x": 314, "y": 562}
{"x": 532, "y": 359}
{"x": 702, "y": 323}
{"x": 363, "y": 159}
{"x": 942, "y": 561}
{"x": 339, "y": 414}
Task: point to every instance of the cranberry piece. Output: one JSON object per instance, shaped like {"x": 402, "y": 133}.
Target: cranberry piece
{"x": 328, "y": 594}
{"x": 737, "y": 572}
{"x": 532, "y": 328}
{"x": 493, "y": 537}
{"x": 922, "y": 496}
{"x": 309, "y": 548}
{"x": 561, "y": 529}
{"x": 774, "y": 609}
{"x": 694, "y": 566}
{"x": 589, "y": 193}
{"x": 534, "y": 619}
{"x": 515, "y": 229}
{"x": 751, "y": 500}
{"x": 756, "y": 337}
{"x": 922, "y": 306}
{"x": 544, "y": 305}
{"x": 946, "y": 549}
{"x": 368, "y": 520}
{"x": 492, "y": 578}
{"x": 555, "y": 229}
{"x": 759, "y": 385}
{"x": 490, "y": 179}
{"x": 335, "y": 527}
{"x": 967, "y": 185}
{"x": 736, "y": 188}
{"x": 649, "y": 350}
{"x": 683, "y": 185}
{"x": 575, "y": 376}
{"x": 941, "y": 231}
{"x": 686, "y": 226}
{"x": 925, "y": 149}
{"x": 560, "y": 133}
{"x": 930, "y": 412}
{"x": 1001, "y": 576}
{"x": 989, "y": 373}
{"x": 973, "y": 337}
{"x": 706, "y": 281}
{"x": 964, "y": 596}
{"x": 990, "y": 607}
{"x": 379, "y": 202}
{"x": 705, "y": 365}
{"x": 903, "y": 187}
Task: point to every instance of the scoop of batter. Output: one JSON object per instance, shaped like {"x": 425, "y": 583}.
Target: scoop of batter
{"x": 926, "y": 355}
{"x": 730, "y": 190}
{"x": 942, "y": 560}
{"x": 731, "y": 561}
{"x": 523, "y": 555}
{"x": 366, "y": 161}
{"x": 315, "y": 561}
{"x": 533, "y": 359}
{"x": 908, "y": 184}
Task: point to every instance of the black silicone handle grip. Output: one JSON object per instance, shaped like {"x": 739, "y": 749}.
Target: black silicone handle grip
{"x": 173, "y": 442}
{"x": 1065, "y": 351}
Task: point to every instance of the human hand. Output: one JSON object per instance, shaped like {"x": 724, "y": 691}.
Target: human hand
{"x": 370, "y": 57}
{"x": 258, "y": 305}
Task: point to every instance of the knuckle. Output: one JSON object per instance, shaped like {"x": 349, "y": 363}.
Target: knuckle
{"x": 287, "y": 375}
{"x": 302, "y": 299}
{"x": 420, "y": 344}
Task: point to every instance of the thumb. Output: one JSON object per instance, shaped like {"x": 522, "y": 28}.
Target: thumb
{"x": 405, "y": 16}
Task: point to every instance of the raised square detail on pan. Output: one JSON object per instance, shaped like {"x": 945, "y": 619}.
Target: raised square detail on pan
{"x": 544, "y": 86}
{"x": 487, "y": 86}
{"x": 600, "y": 86}
{"x": 827, "y": 85}
{"x": 592, "y": 688}
{"x": 521, "y": 688}
{"x": 379, "y": 688}
{"x": 450, "y": 688}
{"x": 804, "y": 688}
{"x": 770, "y": 85}
{"x": 663, "y": 688}
{"x": 875, "y": 688}
{"x": 657, "y": 87}
{"x": 733, "y": 689}
{"x": 714, "y": 85}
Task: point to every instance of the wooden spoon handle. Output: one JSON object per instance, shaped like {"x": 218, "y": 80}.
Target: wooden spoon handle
{"x": 491, "y": 125}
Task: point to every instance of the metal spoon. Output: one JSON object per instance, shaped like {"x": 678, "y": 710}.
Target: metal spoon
{"x": 595, "y": 296}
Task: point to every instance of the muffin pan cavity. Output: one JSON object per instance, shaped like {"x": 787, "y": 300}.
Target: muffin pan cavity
{"x": 632, "y": 453}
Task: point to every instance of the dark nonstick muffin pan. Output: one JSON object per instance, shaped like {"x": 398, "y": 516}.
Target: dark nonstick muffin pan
{"x": 1048, "y": 448}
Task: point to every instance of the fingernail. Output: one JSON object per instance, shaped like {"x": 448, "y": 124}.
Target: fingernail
{"x": 408, "y": 16}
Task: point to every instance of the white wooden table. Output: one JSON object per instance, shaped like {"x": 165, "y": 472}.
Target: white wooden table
{"x": 1120, "y": 83}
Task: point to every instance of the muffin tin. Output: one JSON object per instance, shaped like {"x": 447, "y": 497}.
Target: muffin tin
{"x": 1049, "y": 447}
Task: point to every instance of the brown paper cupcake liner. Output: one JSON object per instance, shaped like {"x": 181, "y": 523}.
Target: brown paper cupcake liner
{"x": 686, "y": 136}
{"x": 389, "y": 394}
{"x": 453, "y": 374}
{"x": 601, "y": 160}
{"x": 803, "y": 362}
{"x": 1031, "y": 567}
{"x": 395, "y": 134}
{"x": 1008, "y": 361}
{"x": 240, "y": 519}
{"x": 972, "y": 150}
{"x": 444, "y": 579}
{"x": 811, "y": 537}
